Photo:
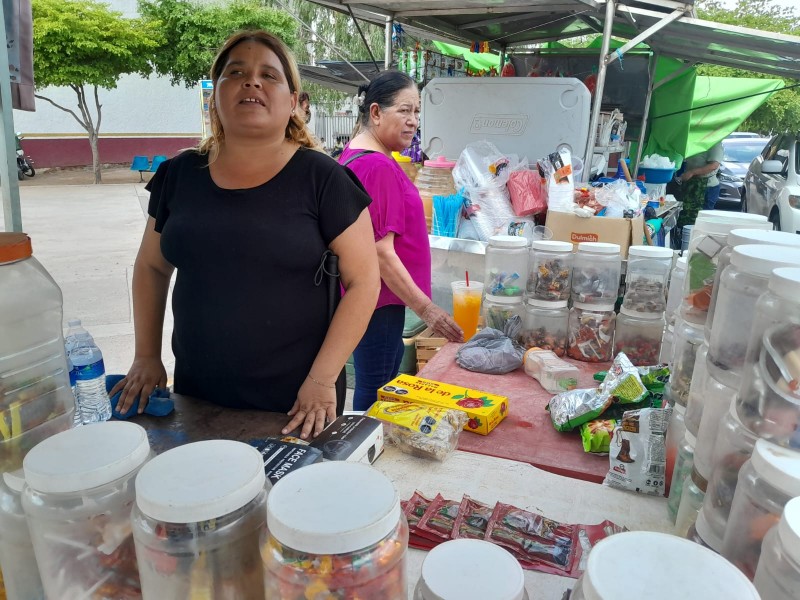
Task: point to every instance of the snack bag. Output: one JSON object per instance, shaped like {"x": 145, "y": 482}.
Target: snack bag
{"x": 472, "y": 520}
{"x": 596, "y": 435}
{"x": 571, "y": 409}
{"x": 622, "y": 382}
{"x": 438, "y": 521}
{"x": 415, "y": 508}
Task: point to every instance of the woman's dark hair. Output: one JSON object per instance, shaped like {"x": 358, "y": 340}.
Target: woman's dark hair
{"x": 382, "y": 91}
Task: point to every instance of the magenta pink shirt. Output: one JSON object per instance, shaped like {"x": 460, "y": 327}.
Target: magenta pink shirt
{"x": 396, "y": 207}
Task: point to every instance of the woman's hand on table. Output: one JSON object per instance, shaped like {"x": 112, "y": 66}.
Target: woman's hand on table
{"x": 316, "y": 403}
{"x": 144, "y": 376}
{"x": 442, "y": 323}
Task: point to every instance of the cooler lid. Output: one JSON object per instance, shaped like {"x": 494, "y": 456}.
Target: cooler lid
{"x": 785, "y": 282}
{"x": 789, "y": 529}
{"x": 200, "y": 481}
{"x": 14, "y": 246}
{"x": 779, "y": 466}
{"x": 762, "y": 260}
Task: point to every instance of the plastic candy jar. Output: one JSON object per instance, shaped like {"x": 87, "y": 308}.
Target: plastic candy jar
{"x": 17, "y": 560}
{"x": 596, "y": 273}
{"x": 717, "y": 399}
{"x": 675, "y": 294}
{"x": 647, "y": 273}
{"x": 498, "y": 310}
{"x": 35, "y": 396}
{"x": 506, "y": 266}
{"x": 591, "y": 332}
{"x": 697, "y": 390}
{"x": 692, "y": 495}
{"x": 742, "y": 282}
{"x": 78, "y": 500}
{"x": 448, "y": 573}
{"x": 688, "y": 338}
{"x": 550, "y": 276}
{"x": 639, "y": 336}
{"x": 667, "y": 567}
{"x": 676, "y": 429}
{"x": 666, "y": 345}
{"x": 740, "y": 220}
{"x": 545, "y": 325}
{"x": 335, "y": 527}
{"x": 681, "y": 471}
{"x": 778, "y": 572}
{"x": 199, "y": 515}
{"x": 434, "y": 178}
{"x": 766, "y": 483}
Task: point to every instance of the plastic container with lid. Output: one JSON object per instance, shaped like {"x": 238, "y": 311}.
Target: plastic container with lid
{"x": 335, "y": 526}
{"x": 639, "y": 336}
{"x": 778, "y": 572}
{"x": 498, "y": 310}
{"x": 17, "y": 560}
{"x": 766, "y": 483}
{"x": 434, "y": 178}
{"x": 666, "y": 567}
{"x": 687, "y": 341}
{"x": 36, "y": 400}
{"x": 647, "y": 272}
{"x": 740, "y": 220}
{"x": 675, "y": 293}
{"x": 744, "y": 280}
{"x": 697, "y": 390}
{"x": 667, "y": 344}
{"x": 596, "y": 273}
{"x": 717, "y": 399}
{"x": 199, "y": 515}
{"x": 550, "y": 273}
{"x": 409, "y": 168}
{"x": 692, "y": 496}
{"x": 545, "y": 325}
{"x": 681, "y": 471}
{"x": 78, "y": 500}
{"x": 449, "y": 573}
{"x": 591, "y": 332}
{"x": 506, "y": 266}
{"x": 703, "y": 534}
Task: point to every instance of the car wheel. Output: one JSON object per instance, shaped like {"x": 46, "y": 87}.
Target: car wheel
{"x": 775, "y": 219}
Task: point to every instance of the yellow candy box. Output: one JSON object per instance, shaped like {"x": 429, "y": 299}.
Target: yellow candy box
{"x": 484, "y": 410}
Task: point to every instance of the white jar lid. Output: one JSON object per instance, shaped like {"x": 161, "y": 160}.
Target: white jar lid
{"x": 785, "y": 282}
{"x": 652, "y": 316}
{"x": 552, "y": 246}
{"x": 762, "y": 260}
{"x": 594, "y": 307}
{"x": 200, "y": 481}
{"x": 332, "y": 508}
{"x": 553, "y": 304}
{"x": 599, "y": 247}
{"x": 504, "y": 299}
{"x": 789, "y": 529}
{"x": 471, "y": 570}
{"x": 15, "y": 480}
{"x": 779, "y": 466}
{"x": 86, "y": 457}
{"x": 714, "y": 227}
{"x": 690, "y": 437}
{"x": 680, "y": 408}
{"x": 508, "y": 241}
{"x": 667, "y": 567}
{"x": 763, "y": 236}
{"x": 725, "y": 215}
{"x": 650, "y": 252}
{"x": 682, "y": 262}
{"x": 706, "y": 533}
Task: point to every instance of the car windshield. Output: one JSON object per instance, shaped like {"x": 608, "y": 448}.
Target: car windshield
{"x": 741, "y": 153}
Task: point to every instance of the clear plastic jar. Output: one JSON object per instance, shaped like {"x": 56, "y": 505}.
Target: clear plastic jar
{"x": 666, "y": 567}
{"x": 743, "y": 281}
{"x": 766, "y": 483}
{"x": 591, "y": 332}
{"x": 697, "y": 390}
{"x": 448, "y": 573}
{"x": 639, "y": 336}
{"x": 78, "y": 500}
{"x": 498, "y": 310}
{"x": 506, "y": 266}
{"x": 692, "y": 495}
{"x": 434, "y": 178}
{"x": 646, "y": 278}
{"x": 702, "y": 533}
{"x": 550, "y": 275}
{"x": 675, "y": 294}
{"x": 740, "y": 237}
{"x": 17, "y": 560}
{"x": 732, "y": 448}
{"x": 688, "y": 338}
{"x": 199, "y": 515}
{"x": 667, "y": 342}
{"x": 545, "y": 326}
{"x": 596, "y": 273}
{"x": 739, "y": 220}
{"x": 778, "y": 572}
{"x": 717, "y": 399}
{"x": 409, "y": 168}
{"x": 35, "y": 396}
{"x": 681, "y": 471}
{"x": 335, "y": 529}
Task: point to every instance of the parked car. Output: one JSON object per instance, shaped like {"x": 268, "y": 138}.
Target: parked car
{"x": 743, "y": 134}
{"x": 772, "y": 184}
{"x": 739, "y": 152}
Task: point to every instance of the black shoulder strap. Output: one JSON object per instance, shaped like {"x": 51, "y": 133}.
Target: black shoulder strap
{"x": 359, "y": 155}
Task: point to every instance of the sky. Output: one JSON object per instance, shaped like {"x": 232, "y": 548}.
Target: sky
{"x": 787, "y": 3}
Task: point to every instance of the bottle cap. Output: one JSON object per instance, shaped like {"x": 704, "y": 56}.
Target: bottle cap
{"x": 440, "y": 162}
{"x": 767, "y": 237}
{"x": 785, "y": 282}
{"x": 14, "y": 247}
{"x": 762, "y": 260}
{"x": 789, "y": 529}
{"x": 400, "y": 158}
{"x": 598, "y": 247}
{"x": 779, "y": 466}
{"x": 508, "y": 241}
{"x": 649, "y": 252}
{"x": 551, "y": 245}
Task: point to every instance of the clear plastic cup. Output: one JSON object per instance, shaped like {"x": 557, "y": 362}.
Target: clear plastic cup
{"x": 467, "y": 306}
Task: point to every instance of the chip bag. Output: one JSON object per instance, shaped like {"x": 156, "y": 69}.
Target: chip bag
{"x": 596, "y": 435}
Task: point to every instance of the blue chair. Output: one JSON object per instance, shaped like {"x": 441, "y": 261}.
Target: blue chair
{"x": 141, "y": 164}
{"x": 157, "y": 160}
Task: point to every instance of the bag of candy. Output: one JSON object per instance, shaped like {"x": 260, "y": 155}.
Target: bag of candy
{"x": 572, "y": 409}
{"x": 414, "y": 508}
{"x": 622, "y": 382}
{"x": 472, "y": 520}
{"x": 438, "y": 521}
{"x": 596, "y": 435}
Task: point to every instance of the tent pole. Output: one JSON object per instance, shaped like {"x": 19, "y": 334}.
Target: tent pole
{"x": 387, "y": 56}
{"x": 601, "y": 82}
{"x": 651, "y": 71}
{"x": 8, "y": 155}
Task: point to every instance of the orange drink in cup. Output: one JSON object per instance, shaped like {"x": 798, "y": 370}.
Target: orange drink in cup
{"x": 467, "y": 306}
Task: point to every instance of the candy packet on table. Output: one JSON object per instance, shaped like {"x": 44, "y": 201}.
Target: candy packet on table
{"x": 420, "y": 430}
{"x": 472, "y": 520}
{"x": 572, "y": 409}
{"x": 596, "y": 435}
{"x": 414, "y": 508}
{"x": 438, "y": 521}
{"x": 622, "y": 382}
{"x": 637, "y": 456}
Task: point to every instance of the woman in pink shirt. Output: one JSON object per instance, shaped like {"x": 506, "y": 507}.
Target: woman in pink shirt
{"x": 388, "y": 119}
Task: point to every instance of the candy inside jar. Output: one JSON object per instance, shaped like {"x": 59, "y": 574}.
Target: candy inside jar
{"x": 506, "y": 265}
{"x": 335, "y": 530}
{"x": 596, "y": 274}
{"x": 550, "y": 276}
{"x": 591, "y": 332}
{"x": 499, "y": 310}
{"x": 545, "y": 326}
{"x": 639, "y": 335}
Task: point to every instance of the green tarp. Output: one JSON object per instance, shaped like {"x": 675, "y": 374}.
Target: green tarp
{"x": 477, "y": 62}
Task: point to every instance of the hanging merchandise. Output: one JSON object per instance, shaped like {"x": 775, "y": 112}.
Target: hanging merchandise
{"x": 480, "y": 47}
{"x": 398, "y": 36}
{"x": 508, "y": 69}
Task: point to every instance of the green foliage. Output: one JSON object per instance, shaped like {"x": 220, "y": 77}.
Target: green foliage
{"x": 78, "y": 42}
{"x": 193, "y": 32}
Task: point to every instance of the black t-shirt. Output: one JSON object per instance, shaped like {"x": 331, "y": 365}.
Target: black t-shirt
{"x": 249, "y": 319}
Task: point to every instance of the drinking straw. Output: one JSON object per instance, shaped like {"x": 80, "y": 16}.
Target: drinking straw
{"x": 466, "y": 276}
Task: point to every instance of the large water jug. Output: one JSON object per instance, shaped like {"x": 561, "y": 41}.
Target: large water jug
{"x": 35, "y": 396}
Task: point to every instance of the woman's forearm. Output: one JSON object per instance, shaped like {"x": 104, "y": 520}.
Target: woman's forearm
{"x": 150, "y": 288}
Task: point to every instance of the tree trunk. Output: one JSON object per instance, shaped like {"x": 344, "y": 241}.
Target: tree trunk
{"x": 95, "y": 157}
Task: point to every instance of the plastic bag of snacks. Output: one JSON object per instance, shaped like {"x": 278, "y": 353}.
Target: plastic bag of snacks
{"x": 528, "y": 193}
{"x": 572, "y": 409}
{"x": 596, "y": 435}
{"x": 623, "y": 381}
{"x": 472, "y": 520}
{"x": 420, "y": 430}
{"x": 438, "y": 521}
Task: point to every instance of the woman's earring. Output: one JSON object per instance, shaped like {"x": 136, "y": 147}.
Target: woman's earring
{"x": 292, "y": 112}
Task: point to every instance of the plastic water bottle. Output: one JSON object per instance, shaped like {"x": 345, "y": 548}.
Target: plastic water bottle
{"x": 76, "y": 418}
{"x": 75, "y": 330}
{"x": 90, "y": 378}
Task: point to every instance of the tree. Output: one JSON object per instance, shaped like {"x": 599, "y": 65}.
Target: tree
{"x": 84, "y": 45}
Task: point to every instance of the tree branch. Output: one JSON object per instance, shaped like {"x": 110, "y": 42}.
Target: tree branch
{"x": 58, "y": 106}
{"x": 85, "y": 109}
{"x": 99, "y": 106}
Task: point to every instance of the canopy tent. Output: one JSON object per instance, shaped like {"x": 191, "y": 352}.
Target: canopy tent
{"x": 478, "y": 61}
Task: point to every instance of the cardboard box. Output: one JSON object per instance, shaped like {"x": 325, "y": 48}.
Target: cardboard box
{"x": 353, "y": 438}
{"x": 567, "y": 227}
{"x": 282, "y": 458}
{"x": 484, "y": 410}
